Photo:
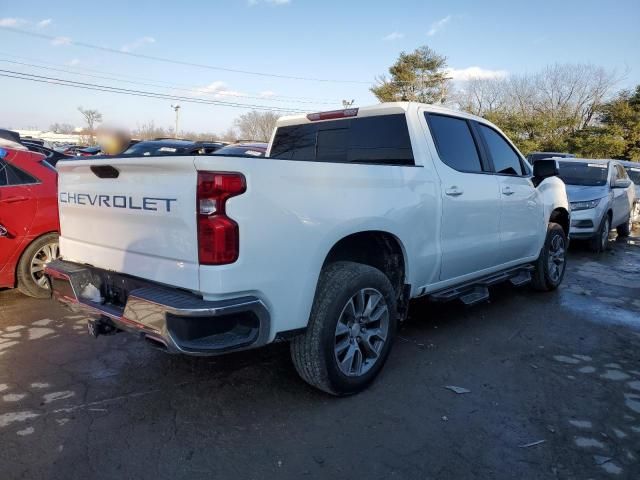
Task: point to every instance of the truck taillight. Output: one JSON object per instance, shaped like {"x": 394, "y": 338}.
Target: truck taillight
{"x": 218, "y": 235}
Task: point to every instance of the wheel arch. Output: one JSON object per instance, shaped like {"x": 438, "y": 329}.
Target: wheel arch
{"x": 561, "y": 216}
{"x": 25, "y": 247}
{"x": 377, "y": 248}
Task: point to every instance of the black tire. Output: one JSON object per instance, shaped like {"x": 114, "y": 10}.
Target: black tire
{"x": 600, "y": 242}
{"x": 624, "y": 230}
{"x": 544, "y": 278}
{"x": 26, "y": 282}
{"x": 314, "y": 353}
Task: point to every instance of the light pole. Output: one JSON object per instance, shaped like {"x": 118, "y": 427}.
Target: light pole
{"x": 176, "y": 108}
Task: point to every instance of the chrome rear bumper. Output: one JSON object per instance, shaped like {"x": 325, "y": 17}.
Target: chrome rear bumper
{"x": 178, "y": 321}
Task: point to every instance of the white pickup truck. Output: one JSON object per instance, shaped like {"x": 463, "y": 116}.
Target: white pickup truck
{"x": 323, "y": 243}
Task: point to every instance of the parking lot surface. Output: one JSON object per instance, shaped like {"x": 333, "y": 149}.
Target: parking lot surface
{"x": 553, "y": 386}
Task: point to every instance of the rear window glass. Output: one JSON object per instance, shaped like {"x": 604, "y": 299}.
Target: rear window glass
{"x": 381, "y": 139}
{"x": 239, "y": 150}
{"x": 455, "y": 143}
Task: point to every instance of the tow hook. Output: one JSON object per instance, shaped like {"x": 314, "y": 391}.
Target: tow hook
{"x": 100, "y": 326}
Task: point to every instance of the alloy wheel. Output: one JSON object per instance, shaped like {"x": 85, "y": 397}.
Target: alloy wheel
{"x": 556, "y": 259}
{"x": 361, "y": 332}
{"x": 604, "y": 236}
{"x": 40, "y": 260}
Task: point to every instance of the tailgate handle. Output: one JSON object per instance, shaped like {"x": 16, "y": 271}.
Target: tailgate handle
{"x": 105, "y": 171}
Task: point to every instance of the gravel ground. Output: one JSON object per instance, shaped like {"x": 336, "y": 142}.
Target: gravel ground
{"x": 553, "y": 380}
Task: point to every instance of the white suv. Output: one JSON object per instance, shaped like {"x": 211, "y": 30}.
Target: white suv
{"x": 601, "y": 196}
{"x": 323, "y": 243}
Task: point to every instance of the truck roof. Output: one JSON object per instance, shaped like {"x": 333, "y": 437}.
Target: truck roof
{"x": 388, "y": 108}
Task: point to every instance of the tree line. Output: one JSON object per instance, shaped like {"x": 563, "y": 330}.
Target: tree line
{"x": 251, "y": 125}
{"x": 563, "y": 107}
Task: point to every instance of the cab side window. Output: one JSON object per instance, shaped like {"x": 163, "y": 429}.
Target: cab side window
{"x": 505, "y": 159}
{"x": 454, "y": 142}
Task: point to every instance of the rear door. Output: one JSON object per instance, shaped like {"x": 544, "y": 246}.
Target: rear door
{"x": 17, "y": 208}
{"x": 469, "y": 230}
{"x": 131, "y": 215}
{"x": 522, "y": 209}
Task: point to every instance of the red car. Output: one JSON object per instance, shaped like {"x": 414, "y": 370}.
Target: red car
{"x": 28, "y": 220}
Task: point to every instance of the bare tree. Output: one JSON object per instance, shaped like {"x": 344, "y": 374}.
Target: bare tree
{"x": 62, "y": 128}
{"x": 92, "y": 117}
{"x": 148, "y": 130}
{"x": 256, "y": 125}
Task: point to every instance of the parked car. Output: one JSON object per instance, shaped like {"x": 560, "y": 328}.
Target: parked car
{"x": 633, "y": 170}
{"x": 324, "y": 242}
{"x": 601, "y": 197}
{"x": 52, "y": 156}
{"x": 253, "y": 149}
{"x": 69, "y": 149}
{"x": 28, "y": 220}
{"x": 172, "y": 147}
{"x": 88, "y": 151}
{"x": 534, "y": 156}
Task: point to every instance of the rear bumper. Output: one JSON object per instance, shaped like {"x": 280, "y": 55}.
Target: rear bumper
{"x": 177, "y": 321}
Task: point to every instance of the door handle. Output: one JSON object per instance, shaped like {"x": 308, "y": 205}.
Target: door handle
{"x": 3, "y": 231}
{"x": 453, "y": 191}
{"x": 14, "y": 199}
{"x": 507, "y": 191}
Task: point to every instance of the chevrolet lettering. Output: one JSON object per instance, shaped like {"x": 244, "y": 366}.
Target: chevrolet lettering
{"x": 155, "y": 204}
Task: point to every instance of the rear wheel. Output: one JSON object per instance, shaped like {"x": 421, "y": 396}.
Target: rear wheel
{"x": 624, "y": 230}
{"x": 552, "y": 262}
{"x": 351, "y": 328}
{"x": 30, "y": 271}
{"x": 600, "y": 241}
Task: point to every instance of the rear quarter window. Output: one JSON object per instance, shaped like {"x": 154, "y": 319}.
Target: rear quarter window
{"x": 382, "y": 140}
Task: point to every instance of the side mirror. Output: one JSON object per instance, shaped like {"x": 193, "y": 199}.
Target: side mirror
{"x": 621, "y": 183}
{"x": 545, "y": 168}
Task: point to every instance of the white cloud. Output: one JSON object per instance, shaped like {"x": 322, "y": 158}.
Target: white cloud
{"x": 438, "y": 25}
{"x": 251, "y": 3}
{"x": 464, "y": 74}
{"x": 44, "y": 23}
{"x": 267, "y": 93}
{"x": 129, "y": 47}
{"x": 11, "y": 22}
{"x": 56, "y": 42}
{"x": 217, "y": 89}
{"x": 394, "y": 36}
{"x": 73, "y": 62}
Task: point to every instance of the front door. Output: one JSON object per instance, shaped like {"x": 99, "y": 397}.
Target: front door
{"x": 522, "y": 209}
{"x": 469, "y": 228}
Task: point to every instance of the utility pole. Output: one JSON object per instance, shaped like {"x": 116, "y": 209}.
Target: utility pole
{"x": 176, "y": 108}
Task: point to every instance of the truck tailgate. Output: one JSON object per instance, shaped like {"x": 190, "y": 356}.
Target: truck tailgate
{"x": 131, "y": 215}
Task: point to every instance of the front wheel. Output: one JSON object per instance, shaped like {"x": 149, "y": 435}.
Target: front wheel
{"x": 624, "y": 230}
{"x": 30, "y": 271}
{"x": 600, "y": 241}
{"x": 351, "y": 329}
{"x": 552, "y": 262}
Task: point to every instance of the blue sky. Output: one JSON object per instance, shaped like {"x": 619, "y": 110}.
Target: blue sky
{"x": 344, "y": 40}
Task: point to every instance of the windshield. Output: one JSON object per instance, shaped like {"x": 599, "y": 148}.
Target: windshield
{"x": 634, "y": 174}
{"x": 587, "y": 174}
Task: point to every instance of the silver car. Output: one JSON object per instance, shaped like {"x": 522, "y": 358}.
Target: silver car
{"x": 601, "y": 197}
{"x": 633, "y": 170}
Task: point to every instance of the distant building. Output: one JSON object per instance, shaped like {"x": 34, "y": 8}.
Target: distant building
{"x": 55, "y": 138}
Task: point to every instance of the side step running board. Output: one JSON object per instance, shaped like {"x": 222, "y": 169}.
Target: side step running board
{"x": 477, "y": 291}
